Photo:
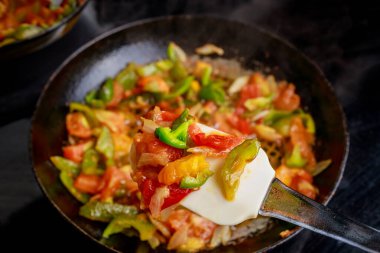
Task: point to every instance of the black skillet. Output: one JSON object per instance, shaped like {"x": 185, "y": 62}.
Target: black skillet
{"x": 146, "y": 41}
{"x": 43, "y": 39}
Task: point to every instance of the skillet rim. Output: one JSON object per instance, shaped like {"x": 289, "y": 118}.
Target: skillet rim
{"x": 192, "y": 17}
{"x": 17, "y": 46}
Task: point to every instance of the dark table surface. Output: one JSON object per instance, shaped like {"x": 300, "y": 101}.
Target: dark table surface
{"x": 341, "y": 36}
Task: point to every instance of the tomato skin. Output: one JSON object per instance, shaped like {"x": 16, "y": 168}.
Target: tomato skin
{"x": 75, "y": 152}
{"x": 148, "y": 187}
{"x": 175, "y": 196}
{"x": 159, "y": 116}
{"x": 168, "y": 116}
{"x": 241, "y": 124}
{"x": 77, "y": 125}
{"x": 249, "y": 91}
{"x": 87, "y": 183}
{"x": 218, "y": 142}
{"x": 148, "y": 143}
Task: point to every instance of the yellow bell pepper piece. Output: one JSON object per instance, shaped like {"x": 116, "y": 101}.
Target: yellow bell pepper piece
{"x": 190, "y": 165}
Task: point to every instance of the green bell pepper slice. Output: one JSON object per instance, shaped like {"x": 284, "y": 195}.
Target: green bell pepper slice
{"x": 122, "y": 222}
{"x": 66, "y": 165}
{"x": 106, "y": 91}
{"x": 164, "y": 65}
{"x": 147, "y": 70}
{"x": 105, "y": 211}
{"x": 309, "y": 122}
{"x": 91, "y": 99}
{"x": 295, "y": 159}
{"x": 68, "y": 181}
{"x": 213, "y": 92}
{"x": 104, "y": 145}
{"x": 74, "y": 106}
{"x": 178, "y": 71}
{"x": 176, "y": 138}
{"x": 206, "y": 76}
{"x": 234, "y": 166}
{"x": 185, "y": 116}
{"x": 90, "y": 163}
{"x": 195, "y": 182}
{"x": 183, "y": 87}
{"x": 127, "y": 77}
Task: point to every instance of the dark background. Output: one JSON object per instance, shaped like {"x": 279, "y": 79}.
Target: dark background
{"x": 341, "y": 36}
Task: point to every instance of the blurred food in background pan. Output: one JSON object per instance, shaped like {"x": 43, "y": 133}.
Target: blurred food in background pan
{"x": 28, "y": 25}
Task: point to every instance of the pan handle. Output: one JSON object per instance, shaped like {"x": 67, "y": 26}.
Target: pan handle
{"x": 285, "y": 204}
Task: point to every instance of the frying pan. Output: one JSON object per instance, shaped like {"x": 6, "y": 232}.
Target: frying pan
{"x": 43, "y": 39}
{"x": 146, "y": 41}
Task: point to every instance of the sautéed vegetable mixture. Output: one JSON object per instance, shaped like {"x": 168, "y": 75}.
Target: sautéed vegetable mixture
{"x": 151, "y": 110}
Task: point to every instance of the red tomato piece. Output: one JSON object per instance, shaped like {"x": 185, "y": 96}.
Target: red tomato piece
{"x": 75, "y": 152}
{"x": 111, "y": 181}
{"x": 168, "y": 116}
{"x": 175, "y": 196}
{"x": 87, "y": 183}
{"x": 241, "y": 124}
{"x": 148, "y": 143}
{"x": 148, "y": 188}
{"x": 77, "y": 125}
{"x": 219, "y": 142}
{"x": 287, "y": 99}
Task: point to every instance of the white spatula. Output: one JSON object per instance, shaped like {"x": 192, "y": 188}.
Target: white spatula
{"x": 260, "y": 193}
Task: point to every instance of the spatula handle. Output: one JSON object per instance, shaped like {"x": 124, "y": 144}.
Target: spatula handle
{"x": 283, "y": 203}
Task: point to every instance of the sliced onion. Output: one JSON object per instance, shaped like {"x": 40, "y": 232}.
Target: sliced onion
{"x": 209, "y": 49}
{"x": 160, "y": 226}
{"x": 152, "y": 159}
{"x": 149, "y": 126}
{"x": 222, "y": 235}
{"x": 179, "y": 52}
{"x": 165, "y": 213}
{"x": 207, "y": 151}
{"x": 179, "y": 238}
{"x": 157, "y": 201}
{"x": 267, "y": 133}
{"x": 238, "y": 84}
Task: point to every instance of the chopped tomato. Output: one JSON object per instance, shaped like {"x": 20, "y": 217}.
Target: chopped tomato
{"x": 134, "y": 91}
{"x": 219, "y": 142}
{"x": 287, "y": 99}
{"x": 148, "y": 143}
{"x": 87, "y": 183}
{"x": 178, "y": 219}
{"x": 118, "y": 94}
{"x": 75, "y": 152}
{"x": 168, "y": 116}
{"x": 77, "y": 125}
{"x": 251, "y": 90}
{"x": 240, "y": 124}
{"x": 157, "y": 115}
{"x": 298, "y": 179}
{"x": 175, "y": 196}
{"x": 199, "y": 227}
{"x": 148, "y": 186}
{"x": 153, "y": 84}
{"x": 111, "y": 181}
